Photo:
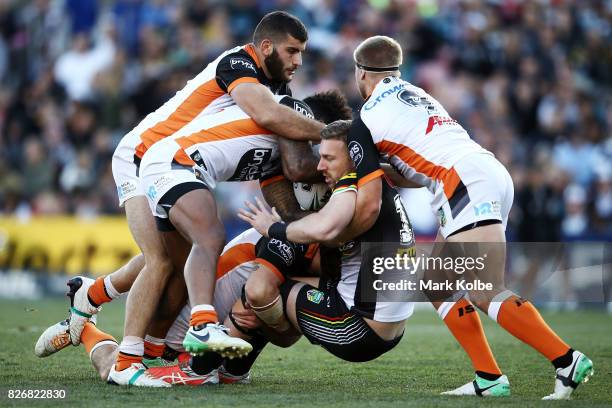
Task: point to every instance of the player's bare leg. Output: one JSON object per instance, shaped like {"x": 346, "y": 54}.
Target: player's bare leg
{"x": 520, "y": 318}
{"x": 194, "y": 215}
{"x": 263, "y": 296}
{"x": 172, "y": 301}
{"x": 103, "y": 358}
{"x": 144, "y": 295}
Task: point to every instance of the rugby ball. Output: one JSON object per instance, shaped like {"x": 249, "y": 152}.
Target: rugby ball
{"x": 311, "y": 197}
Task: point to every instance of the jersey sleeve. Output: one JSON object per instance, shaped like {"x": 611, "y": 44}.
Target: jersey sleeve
{"x": 345, "y": 184}
{"x": 235, "y": 69}
{"x": 363, "y": 152}
{"x": 281, "y": 257}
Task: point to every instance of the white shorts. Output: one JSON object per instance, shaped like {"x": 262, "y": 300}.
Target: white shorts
{"x": 125, "y": 171}
{"x": 228, "y": 290}
{"x": 159, "y": 175}
{"x": 485, "y": 193}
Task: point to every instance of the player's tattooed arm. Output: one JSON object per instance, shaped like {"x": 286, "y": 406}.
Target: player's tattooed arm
{"x": 279, "y": 194}
{"x": 299, "y": 163}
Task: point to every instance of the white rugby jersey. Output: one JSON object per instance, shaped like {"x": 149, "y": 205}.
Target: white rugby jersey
{"x": 415, "y": 133}
{"x": 226, "y": 146}
{"x": 207, "y": 93}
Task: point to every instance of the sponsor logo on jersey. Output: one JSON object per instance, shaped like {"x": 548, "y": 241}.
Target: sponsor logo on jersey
{"x": 406, "y": 234}
{"x": 199, "y": 174}
{"x": 251, "y": 164}
{"x": 372, "y": 103}
{"x": 282, "y": 249}
{"x": 415, "y": 100}
{"x": 152, "y": 192}
{"x": 442, "y": 217}
{"x": 347, "y": 248}
{"x": 197, "y": 159}
{"x": 126, "y": 188}
{"x": 439, "y": 121}
{"x": 356, "y": 152}
{"x": 315, "y": 296}
{"x": 487, "y": 208}
{"x": 300, "y": 107}
{"x": 162, "y": 182}
{"x": 239, "y": 63}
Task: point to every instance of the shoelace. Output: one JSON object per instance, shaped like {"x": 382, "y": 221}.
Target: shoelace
{"x": 220, "y": 327}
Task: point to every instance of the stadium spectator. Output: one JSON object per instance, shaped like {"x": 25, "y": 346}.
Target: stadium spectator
{"x": 76, "y": 68}
{"x": 524, "y": 78}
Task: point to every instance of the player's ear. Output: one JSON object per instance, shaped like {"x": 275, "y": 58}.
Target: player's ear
{"x": 364, "y": 74}
{"x": 267, "y": 47}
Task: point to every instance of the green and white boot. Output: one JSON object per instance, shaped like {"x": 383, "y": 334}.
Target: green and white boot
{"x": 214, "y": 337}
{"x": 568, "y": 378}
{"x": 483, "y": 388}
{"x": 157, "y": 362}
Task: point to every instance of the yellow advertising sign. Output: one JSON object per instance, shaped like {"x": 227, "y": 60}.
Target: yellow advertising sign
{"x": 67, "y": 244}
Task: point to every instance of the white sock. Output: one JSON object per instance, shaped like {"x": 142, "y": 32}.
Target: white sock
{"x": 101, "y": 343}
{"x": 110, "y": 289}
{"x": 132, "y": 345}
{"x": 202, "y": 308}
{"x": 155, "y": 340}
{"x": 496, "y": 303}
{"x": 444, "y": 308}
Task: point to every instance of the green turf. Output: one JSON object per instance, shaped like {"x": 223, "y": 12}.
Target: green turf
{"x": 427, "y": 362}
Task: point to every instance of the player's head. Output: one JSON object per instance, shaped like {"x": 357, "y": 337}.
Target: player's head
{"x": 335, "y": 161}
{"x": 281, "y": 39}
{"x": 329, "y": 106}
{"x": 375, "y": 58}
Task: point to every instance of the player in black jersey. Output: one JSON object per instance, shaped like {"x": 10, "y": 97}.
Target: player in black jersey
{"x": 344, "y": 316}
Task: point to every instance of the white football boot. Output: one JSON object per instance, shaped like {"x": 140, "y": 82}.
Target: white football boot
{"x": 214, "y": 337}
{"x": 81, "y": 310}
{"x": 55, "y": 338}
{"x": 570, "y": 377}
{"x": 135, "y": 375}
{"x": 483, "y": 388}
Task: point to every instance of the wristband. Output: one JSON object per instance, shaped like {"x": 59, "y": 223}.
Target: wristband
{"x": 278, "y": 230}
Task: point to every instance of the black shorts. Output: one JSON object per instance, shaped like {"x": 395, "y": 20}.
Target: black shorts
{"x": 170, "y": 198}
{"x": 325, "y": 320}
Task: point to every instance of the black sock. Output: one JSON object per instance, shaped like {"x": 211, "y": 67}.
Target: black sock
{"x": 206, "y": 363}
{"x": 170, "y": 354}
{"x": 241, "y": 366}
{"x": 564, "y": 360}
{"x": 92, "y": 302}
{"x": 488, "y": 376}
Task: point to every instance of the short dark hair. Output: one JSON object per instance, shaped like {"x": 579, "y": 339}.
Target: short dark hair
{"x": 337, "y": 130}
{"x": 378, "y": 52}
{"x": 329, "y": 106}
{"x": 277, "y": 25}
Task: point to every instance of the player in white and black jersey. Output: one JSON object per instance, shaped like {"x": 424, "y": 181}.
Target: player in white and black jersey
{"x": 473, "y": 194}
{"x": 344, "y": 316}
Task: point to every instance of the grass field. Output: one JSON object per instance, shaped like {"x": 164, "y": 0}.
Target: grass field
{"x": 426, "y": 362}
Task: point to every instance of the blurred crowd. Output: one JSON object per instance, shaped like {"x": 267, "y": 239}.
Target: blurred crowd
{"x": 530, "y": 80}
